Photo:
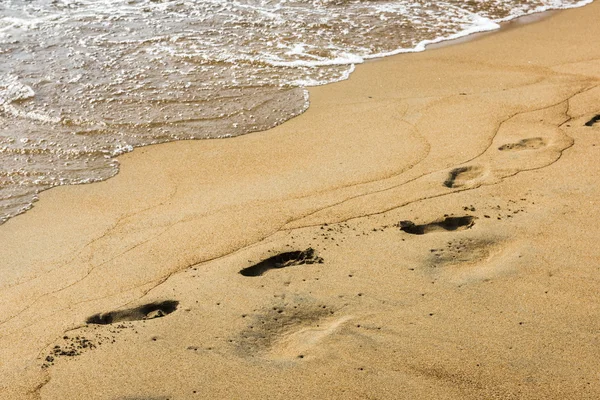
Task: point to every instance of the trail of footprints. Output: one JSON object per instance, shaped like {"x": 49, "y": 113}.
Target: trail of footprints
{"x": 472, "y": 175}
{"x": 287, "y": 330}
{"x": 466, "y": 176}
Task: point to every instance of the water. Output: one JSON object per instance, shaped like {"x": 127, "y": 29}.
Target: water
{"x": 82, "y": 81}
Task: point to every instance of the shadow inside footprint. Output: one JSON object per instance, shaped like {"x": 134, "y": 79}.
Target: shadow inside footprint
{"x": 446, "y": 224}
{"x": 592, "y": 121}
{"x": 525, "y": 144}
{"x": 146, "y": 311}
{"x": 462, "y": 176}
{"x": 283, "y": 260}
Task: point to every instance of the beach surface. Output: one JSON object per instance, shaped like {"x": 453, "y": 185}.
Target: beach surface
{"x": 428, "y": 229}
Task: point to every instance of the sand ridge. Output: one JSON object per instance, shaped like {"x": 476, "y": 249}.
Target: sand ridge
{"x": 425, "y": 230}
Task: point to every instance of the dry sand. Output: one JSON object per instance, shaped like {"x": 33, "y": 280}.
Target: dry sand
{"x": 490, "y": 292}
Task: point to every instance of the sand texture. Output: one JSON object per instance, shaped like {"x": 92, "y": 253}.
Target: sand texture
{"x": 428, "y": 229}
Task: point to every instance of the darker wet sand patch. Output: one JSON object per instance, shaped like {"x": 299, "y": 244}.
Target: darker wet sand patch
{"x": 592, "y": 121}
{"x": 445, "y": 224}
{"x": 146, "y": 311}
{"x": 283, "y": 260}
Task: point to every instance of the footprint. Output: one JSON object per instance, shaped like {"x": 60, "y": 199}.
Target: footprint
{"x": 462, "y": 176}
{"x": 525, "y": 144}
{"x": 474, "y": 259}
{"x": 461, "y": 251}
{"x": 283, "y": 260}
{"x": 295, "y": 344}
{"x": 592, "y": 121}
{"x": 286, "y": 330}
{"x": 445, "y": 224}
{"x": 146, "y": 311}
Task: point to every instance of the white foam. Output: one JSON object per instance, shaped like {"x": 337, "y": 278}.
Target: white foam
{"x": 554, "y": 5}
{"x": 340, "y": 59}
{"x": 310, "y": 82}
{"x": 481, "y": 25}
{"x": 11, "y": 89}
{"x": 121, "y": 149}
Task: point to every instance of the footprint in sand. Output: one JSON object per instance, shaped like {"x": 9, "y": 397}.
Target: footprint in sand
{"x": 288, "y": 331}
{"x": 525, "y": 144}
{"x": 463, "y": 176}
{"x": 594, "y": 120}
{"x": 295, "y": 344}
{"x": 461, "y": 251}
{"x": 283, "y": 260}
{"x": 146, "y": 311}
{"x": 475, "y": 259}
{"x": 443, "y": 224}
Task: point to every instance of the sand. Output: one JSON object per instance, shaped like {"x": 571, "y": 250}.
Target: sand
{"x": 428, "y": 229}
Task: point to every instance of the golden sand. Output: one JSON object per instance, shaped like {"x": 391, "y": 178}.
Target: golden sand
{"x": 489, "y": 290}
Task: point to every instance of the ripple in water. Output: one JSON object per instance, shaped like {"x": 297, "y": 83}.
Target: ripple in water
{"x": 82, "y": 81}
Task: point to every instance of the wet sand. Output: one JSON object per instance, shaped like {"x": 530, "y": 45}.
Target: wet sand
{"x": 427, "y": 229}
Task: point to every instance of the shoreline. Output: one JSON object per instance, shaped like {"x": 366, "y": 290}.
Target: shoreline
{"x": 436, "y": 43}
{"x": 504, "y": 26}
{"x": 482, "y": 145}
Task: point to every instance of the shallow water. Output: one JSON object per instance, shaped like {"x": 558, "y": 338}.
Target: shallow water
{"x": 82, "y": 81}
